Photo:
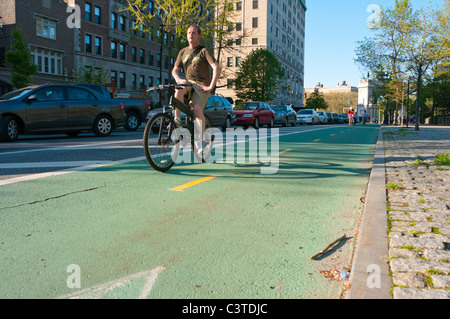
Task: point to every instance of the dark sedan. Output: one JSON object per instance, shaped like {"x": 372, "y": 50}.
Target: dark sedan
{"x": 57, "y": 108}
{"x": 285, "y": 115}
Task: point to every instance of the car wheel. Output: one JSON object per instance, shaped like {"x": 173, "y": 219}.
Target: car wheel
{"x": 286, "y": 122}
{"x": 256, "y": 124}
{"x": 227, "y": 123}
{"x": 132, "y": 122}
{"x": 10, "y": 129}
{"x": 103, "y": 125}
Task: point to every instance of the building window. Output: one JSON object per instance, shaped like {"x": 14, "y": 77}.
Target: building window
{"x": 158, "y": 60}
{"x": 230, "y": 84}
{"x": 229, "y": 61}
{"x": 255, "y": 22}
{"x": 122, "y": 23}
{"x": 150, "y": 81}
{"x": 114, "y": 76}
{"x": 113, "y": 20}
{"x": 133, "y": 81}
{"x": 254, "y": 41}
{"x": 88, "y": 43}
{"x": 141, "y": 56}
{"x": 97, "y": 15}
{"x": 88, "y": 11}
{"x": 48, "y": 61}
{"x": 98, "y": 45}
{"x": 122, "y": 80}
{"x": 151, "y": 58}
{"x": 238, "y": 61}
{"x": 255, "y": 4}
{"x": 46, "y": 28}
{"x": 239, "y": 5}
{"x": 122, "y": 51}
{"x": 141, "y": 82}
{"x": 133, "y": 54}
{"x": 113, "y": 50}
{"x": 239, "y": 26}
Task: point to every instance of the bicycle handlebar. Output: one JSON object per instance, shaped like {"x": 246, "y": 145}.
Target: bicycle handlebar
{"x": 162, "y": 87}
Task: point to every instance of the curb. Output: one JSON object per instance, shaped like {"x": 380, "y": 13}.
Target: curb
{"x": 369, "y": 277}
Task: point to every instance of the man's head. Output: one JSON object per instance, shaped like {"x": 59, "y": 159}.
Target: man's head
{"x": 194, "y": 33}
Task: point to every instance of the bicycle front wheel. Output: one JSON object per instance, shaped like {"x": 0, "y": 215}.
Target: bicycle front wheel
{"x": 160, "y": 142}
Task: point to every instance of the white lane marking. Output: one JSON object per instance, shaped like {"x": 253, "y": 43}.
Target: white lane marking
{"x": 77, "y": 147}
{"x": 65, "y": 171}
{"x": 52, "y": 164}
{"x": 115, "y": 286}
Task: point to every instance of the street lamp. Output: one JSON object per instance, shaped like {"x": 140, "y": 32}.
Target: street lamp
{"x": 410, "y": 78}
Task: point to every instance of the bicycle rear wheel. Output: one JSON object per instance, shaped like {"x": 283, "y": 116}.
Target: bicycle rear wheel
{"x": 161, "y": 143}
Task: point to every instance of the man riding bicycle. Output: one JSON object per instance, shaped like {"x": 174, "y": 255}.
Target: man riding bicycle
{"x": 196, "y": 61}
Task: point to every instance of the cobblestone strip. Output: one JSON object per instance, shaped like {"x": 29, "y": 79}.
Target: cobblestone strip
{"x": 418, "y": 211}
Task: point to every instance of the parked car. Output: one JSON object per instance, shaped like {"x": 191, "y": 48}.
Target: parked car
{"x": 285, "y": 115}
{"x": 218, "y": 110}
{"x": 136, "y": 109}
{"x": 323, "y": 119}
{"x": 254, "y": 114}
{"x": 344, "y": 117}
{"x": 62, "y": 108}
{"x": 336, "y": 118}
{"x": 330, "y": 117}
{"x": 307, "y": 116}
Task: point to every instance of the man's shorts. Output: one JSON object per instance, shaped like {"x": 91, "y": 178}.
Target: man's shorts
{"x": 196, "y": 96}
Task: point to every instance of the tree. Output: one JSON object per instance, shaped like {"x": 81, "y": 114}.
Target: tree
{"x": 258, "y": 76}
{"x": 20, "y": 59}
{"x": 408, "y": 43}
{"x": 316, "y": 101}
{"x": 94, "y": 74}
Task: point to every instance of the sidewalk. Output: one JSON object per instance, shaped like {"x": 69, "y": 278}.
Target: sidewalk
{"x": 403, "y": 250}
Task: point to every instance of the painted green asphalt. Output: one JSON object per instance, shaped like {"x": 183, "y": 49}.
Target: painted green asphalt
{"x": 239, "y": 235}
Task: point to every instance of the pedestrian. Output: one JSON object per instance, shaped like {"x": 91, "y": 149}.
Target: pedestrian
{"x": 351, "y": 113}
{"x": 364, "y": 118}
{"x": 196, "y": 61}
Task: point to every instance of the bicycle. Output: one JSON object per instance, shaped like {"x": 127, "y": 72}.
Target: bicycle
{"x": 163, "y": 140}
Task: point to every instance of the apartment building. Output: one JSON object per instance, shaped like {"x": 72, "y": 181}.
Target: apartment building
{"x": 65, "y": 36}
{"x": 275, "y": 25}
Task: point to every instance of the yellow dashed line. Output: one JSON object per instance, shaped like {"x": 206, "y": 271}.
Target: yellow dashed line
{"x": 193, "y": 183}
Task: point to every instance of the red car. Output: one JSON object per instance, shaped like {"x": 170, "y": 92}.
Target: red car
{"x": 253, "y": 114}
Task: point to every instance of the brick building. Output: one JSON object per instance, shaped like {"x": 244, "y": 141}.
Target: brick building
{"x": 103, "y": 39}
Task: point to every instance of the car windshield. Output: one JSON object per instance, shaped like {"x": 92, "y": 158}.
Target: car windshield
{"x": 279, "y": 108}
{"x": 246, "y": 106}
{"x": 305, "y": 112}
{"x": 17, "y": 94}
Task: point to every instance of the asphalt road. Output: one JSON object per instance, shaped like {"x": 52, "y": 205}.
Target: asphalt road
{"x": 89, "y": 218}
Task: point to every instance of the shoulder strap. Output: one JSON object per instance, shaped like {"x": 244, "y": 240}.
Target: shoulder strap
{"x": 192, "y": 56}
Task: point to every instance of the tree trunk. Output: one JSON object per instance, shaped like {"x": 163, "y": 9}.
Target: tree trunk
{"x": 419, "y": 80}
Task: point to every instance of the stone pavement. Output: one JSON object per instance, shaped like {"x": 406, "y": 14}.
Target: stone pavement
{"x": 418, "y": 208}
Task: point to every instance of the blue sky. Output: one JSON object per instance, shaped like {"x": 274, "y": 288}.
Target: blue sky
{"x": 332, "y": 29}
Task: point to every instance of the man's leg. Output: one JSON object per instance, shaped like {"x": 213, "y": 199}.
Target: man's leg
{"x": 179, "y": 95}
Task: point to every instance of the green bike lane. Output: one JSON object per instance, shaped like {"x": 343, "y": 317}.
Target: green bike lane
{"x": 238, "y": 235}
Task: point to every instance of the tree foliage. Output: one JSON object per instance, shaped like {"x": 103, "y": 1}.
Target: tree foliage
{"x": 316, "y": 101}
{"x": 258, "y": 76}
{"x": 408, "y": 44}
{"x": 20, "y": 59}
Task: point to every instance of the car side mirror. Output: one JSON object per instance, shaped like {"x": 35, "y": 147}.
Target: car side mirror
{"x": 32, "y": 98}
